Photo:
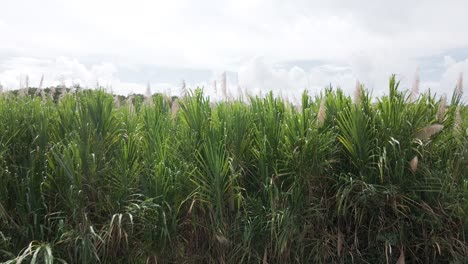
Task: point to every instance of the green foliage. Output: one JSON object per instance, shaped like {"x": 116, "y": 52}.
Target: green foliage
{"x": 88, "y": 178}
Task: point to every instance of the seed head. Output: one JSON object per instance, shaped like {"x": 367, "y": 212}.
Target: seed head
{"x": 429, "y": 131}
{"x": 358, "y": 93}
{"x": 457, "y": 123}
{"x": 63, "y": 93}
{"x": 222, "y": 239}
{"x": 175, "y": 108}
{"x": 41, "y": 82}
{"x": 148, "y": 95}
{"x": 414, "y": 164}
{"x": 460, "y": 85}
{"x": 321, "y": 113}
{"x": 183, "y": 88}
{"x": 42, "y": 94}
{"x": 116, "y": 101}
{"x": 131, "y": 107}
{"x": 223, "y": 85}
{"x": 26, "y": 81}
{"x": 442, "y": 108}
{"x": 23, "y": 92}
{"x": 415, "y": 88}
{"x": 52, "y": 92}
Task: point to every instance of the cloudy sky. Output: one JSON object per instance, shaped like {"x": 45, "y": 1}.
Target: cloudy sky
{"x": 284, "y": 46}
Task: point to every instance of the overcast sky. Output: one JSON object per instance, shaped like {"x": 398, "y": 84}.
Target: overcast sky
{"x": 284, "y": 46}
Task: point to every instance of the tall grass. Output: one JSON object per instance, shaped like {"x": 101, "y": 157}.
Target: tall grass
{"x": 88, "y": 178}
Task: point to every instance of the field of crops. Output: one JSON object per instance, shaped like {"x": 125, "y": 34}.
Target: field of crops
{"x": 85, "y": 178}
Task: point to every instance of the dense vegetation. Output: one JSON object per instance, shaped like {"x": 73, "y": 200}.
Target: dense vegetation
{"x": 158, "y": 180}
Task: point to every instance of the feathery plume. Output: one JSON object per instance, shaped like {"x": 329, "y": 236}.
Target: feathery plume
{"x": 116, "y": 101}
{"x": 23, "y": 92}
{"x": 26, "y": 81}
{"x": 61, "y": 96}
{"x": 42, "y": 94}
{"x": 429, "y": 131}
{"x": 63, "y": 93}
{"x": 148, "y": 95}
{"x": 414, "y": 164}
{"x": 215, "y": 87}
{"x": 148, "y": 89}
{"x": 52, "y": 92}
{"x": 442, "y": 108}
{"x": 131, "y": 107}
{"x": 1, "y": 88}
{"x": 415, "y": 88}
{"x": 223, "y": 85}
{"x": 41, "y": 82}
{"x": 222, "y": 239}
{"x": 357, "y": 93}
{"x": 296, "y": 102}
{"x": 24, "y": 84}
{"x": 175, "y": 108}
{"x": 460, "y": 84}
{"x": 321, "y": 115}
{"x": 183, "y": 89}
{"x": 457, "y": 122}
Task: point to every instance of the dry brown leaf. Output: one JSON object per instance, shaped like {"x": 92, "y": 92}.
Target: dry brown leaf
{"x": 340, "y": 242}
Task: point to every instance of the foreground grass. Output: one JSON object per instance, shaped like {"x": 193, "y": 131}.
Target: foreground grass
{"x": 188, "y": 181}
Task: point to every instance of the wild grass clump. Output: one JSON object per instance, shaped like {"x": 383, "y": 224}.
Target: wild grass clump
{"x": 87, "y": 177}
